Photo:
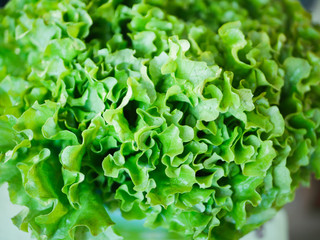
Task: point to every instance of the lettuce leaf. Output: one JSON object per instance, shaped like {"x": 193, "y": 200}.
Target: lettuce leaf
{"x": 202, "y": 117}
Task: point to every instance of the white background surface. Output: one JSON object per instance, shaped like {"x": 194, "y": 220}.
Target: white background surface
{"x": 8, "y": 231}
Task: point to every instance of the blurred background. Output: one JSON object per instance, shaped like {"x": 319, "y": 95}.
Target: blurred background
{"x": 303, "y": 213}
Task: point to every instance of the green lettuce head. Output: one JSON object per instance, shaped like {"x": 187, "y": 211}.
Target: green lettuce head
{"x": 202, "y": 117}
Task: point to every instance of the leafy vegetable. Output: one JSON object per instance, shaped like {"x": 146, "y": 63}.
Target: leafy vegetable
{"x": 202, "y": 117}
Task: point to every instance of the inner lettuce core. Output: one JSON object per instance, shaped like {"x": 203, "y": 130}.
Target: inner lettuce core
{"x": 201, "y": 117}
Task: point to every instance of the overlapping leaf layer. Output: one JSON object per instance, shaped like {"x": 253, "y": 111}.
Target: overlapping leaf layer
{"x": 199, "y": 116}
